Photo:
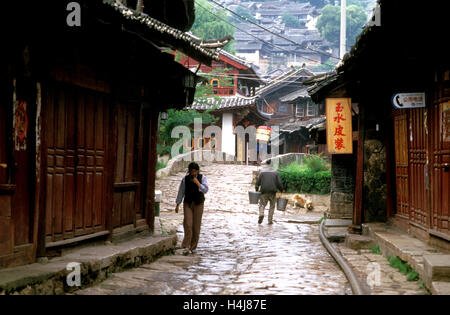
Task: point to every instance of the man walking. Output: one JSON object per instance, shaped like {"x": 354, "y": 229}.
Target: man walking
{"x": 270, "y": 182}
{"x": 193, "y": 188}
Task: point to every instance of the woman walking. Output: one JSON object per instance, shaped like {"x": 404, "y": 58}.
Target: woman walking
{"x": 193, "y": 188}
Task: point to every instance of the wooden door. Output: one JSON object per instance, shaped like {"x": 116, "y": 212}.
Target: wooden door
{"x": 419, "y": 166}
{"x": 401, "y": 165}
{"x": 6, "y": 189}
{"x": 439, "y": 168}
{"x": 77, "y": 126}
{"x": 130, "y": 174}
{"x": 23, "y": 160}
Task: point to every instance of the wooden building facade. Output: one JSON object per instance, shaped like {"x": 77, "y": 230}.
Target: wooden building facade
{"x": 79, "y": 110}
{"x": 291, "y": 108}
{"x": 402, "y": 155}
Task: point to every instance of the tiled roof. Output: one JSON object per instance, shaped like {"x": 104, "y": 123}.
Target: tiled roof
{"x": 291, "y": 127}
{"x": 242, "y": 61}
{"x": 252, "y": 68}
{"x": 320, "y": 81}
{"x": 168, "y": 35}
{"x": 300, "y": 93}
{"x": 288, "y": 77}
{"x": 224, "y": 102}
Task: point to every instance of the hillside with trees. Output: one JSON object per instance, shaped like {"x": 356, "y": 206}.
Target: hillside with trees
{"x": 329, "y": 23}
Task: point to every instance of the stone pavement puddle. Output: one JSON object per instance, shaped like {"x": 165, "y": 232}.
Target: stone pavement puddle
{"x": 235, "y": 255}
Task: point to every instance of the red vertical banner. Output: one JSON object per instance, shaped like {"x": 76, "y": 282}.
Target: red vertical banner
{"x": 339, "y": 126}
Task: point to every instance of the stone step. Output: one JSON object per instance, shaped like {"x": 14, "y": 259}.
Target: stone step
{"x": 337, "y": 223}
{"x": 96, "y": 262}
{"x": 355, "y": 241}
{"x": 336, "y": 234}
{"x": 437, "y": 268}
{"x": 440, "y": 288}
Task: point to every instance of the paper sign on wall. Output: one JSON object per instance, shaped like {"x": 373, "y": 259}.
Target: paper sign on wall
{"x": 263, "y": 133}
{"x": 445, "y": 121}
{"x": 339, "y": 126}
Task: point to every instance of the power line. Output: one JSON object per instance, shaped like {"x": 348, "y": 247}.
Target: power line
{"x": 240, "y": 76}
{"x": 224, "y": 74}
{"x": 262, "y": 40}
{"x": 273, "y": 33}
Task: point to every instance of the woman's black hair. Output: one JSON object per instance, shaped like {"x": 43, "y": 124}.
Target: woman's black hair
{"x": 193, "y": 166}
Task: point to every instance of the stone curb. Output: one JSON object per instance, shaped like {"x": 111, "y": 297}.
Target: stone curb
{"x": 96, "y": 262}
{"x": 407, "y": 248}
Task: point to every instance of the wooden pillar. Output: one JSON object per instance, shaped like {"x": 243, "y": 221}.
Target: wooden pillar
{"x": 151, "y": 172}
{"x": 112, "y": 156}
{"x": 390, "y": 168}
{"x": 41, "y": 181}
{"x": 359, "y": 180}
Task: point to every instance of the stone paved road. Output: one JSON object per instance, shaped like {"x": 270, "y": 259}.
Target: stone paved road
{"x": 235, "y": 255}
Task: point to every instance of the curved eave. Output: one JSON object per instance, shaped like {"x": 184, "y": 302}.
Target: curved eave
{"x": 164, "y": 35}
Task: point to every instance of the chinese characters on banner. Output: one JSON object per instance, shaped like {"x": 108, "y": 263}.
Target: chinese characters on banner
{"x": 339, "y": 126}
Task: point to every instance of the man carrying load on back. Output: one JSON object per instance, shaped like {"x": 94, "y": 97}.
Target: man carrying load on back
{"x": 270, "y": 182}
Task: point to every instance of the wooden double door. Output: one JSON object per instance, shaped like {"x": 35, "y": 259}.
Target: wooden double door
{"x": 439, "y": 169}
{"x": 422, "y": 157}
{"x": 97, "y": 157}
{"x": 77, "y": 126}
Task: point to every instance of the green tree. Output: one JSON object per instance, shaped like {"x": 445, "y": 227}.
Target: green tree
{"x": 180, "y": 118}
{"x": 209, "y": 26}
{"x": 356, "y": 19}
{"x": 366, "y": 4}
{"x": 327, "y": 66}
{"x": 329, "y": 23}
{"x": 291, "y": 21}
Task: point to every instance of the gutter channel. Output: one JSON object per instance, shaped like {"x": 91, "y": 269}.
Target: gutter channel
{"x": 348, "y": 271}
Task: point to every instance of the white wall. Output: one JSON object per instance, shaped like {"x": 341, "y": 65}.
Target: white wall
{"x": 228, "y": 138}
{"x": 252, "y": 57}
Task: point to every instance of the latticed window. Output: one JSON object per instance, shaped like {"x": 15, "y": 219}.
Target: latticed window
{"x": 311, "y": 109}
{"x": 300, "y": 110}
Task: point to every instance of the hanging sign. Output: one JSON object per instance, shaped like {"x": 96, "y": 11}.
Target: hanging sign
{"x": 408, "y": 100}
{"x": 339, "y": 126}
{"x": 263, "y": 133}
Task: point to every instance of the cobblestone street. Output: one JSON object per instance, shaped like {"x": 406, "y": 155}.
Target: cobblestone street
{"x": 235, "y": 255}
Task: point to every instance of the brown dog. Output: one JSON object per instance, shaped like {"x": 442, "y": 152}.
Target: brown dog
{"x": 302, "y": 202}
